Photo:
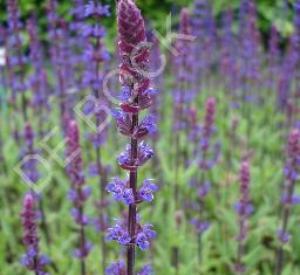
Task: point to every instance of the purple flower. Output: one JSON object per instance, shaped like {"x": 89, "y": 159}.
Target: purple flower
{"x": 291, "y": 171}
{"x": 144, "y": 237}
{"x": 96, "y": 9}
{"x": 32, "y": 259}
{"x": 79, "y": 218}
{"x": 116, "y": 187}
{"x": 146, "y": 191}
{"x": 204, "y": 189}
{"x": 146, "y": 127}
{"x": 137, "y": 95}
{"x": 120, "y": 191}
{"x": 119, "y": 234}
{"x": 142, "y": 241}
{"x": 146, "y": 270}
{"x": 283, "y": 236}
{"x": 15, "y": 59}
{"x": 83, "y": 251}
{"x": 144, "y": 153}
{"x": 128, "y": 196}
{"x": 244, "y": 209}
{"x": 148, "y": 231}
{"x": 78, "y": 193}
{"x": 117, "y": 268}
{"x": 200, "y": 225}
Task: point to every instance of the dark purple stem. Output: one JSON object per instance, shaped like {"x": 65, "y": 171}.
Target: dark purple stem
{"x": 82, "y": 243}
{"x": 132, "y": 207}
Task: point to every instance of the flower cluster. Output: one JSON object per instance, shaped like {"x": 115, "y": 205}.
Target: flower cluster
{"x": 16, "y": 59}
{"x": 122, "y": 192}
{"x": 228, "y": 60}
{"x": 38, "y": 80}
{"x": 119, "y": 233}
{"x": 204, "y": 48}
{"x": 243, "y": 208}
{"x": 78, "y": 193}
{"x": 95, "y": 53}
{"x": 119, "y": 268}
{"x": 32, "y": 259}
{"x": 60, "y": 59}
{"x": 207, "y": 130}
{"x": 207, "y": 155}
{"x": 136, "y": 96}
{"x": 184, "y": 91}
{"x": 292, "y": 175}
{"x": 249, "y": 48}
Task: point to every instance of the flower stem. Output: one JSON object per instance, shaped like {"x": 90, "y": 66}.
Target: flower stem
{"x": 82, "y": 244}
{"x": 132, "y": 207}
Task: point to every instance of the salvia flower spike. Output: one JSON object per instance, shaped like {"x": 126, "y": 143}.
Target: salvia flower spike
{"x": 79, "y": 193}
{"x": 134, "y": 52}
{"x": 32, "y": 259}
{"x": 243, "y": 209}
{"x": 17, "y": 59}
{"x": 291, "y": 172}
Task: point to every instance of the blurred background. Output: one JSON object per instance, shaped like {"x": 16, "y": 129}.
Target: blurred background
{"x": 277, "y": 12}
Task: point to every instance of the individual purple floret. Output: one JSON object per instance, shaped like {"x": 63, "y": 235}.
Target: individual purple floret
{"x": 143, "y": 237}
{"x": 243, "y": 209}
{"x": 136, "y": 96}
{"x": 147, "y": 190}
{"x": 79, "y": 193}
{"x": 292, "y": 175}
{"x": 32, "y": 259}
{"x": 116, "y": 268}
{"x": 119, "y": 268}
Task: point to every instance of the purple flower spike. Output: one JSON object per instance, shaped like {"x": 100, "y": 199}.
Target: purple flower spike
{"x": 32, "y": 259}
{"x": 79, "y": 193}
{"x": 16, "y": 61}
{"x": 117, "y": 268}
{"x": 243, "y": 208}
{"x": 136, "y": 95}
{"x": 292, "y": 171}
